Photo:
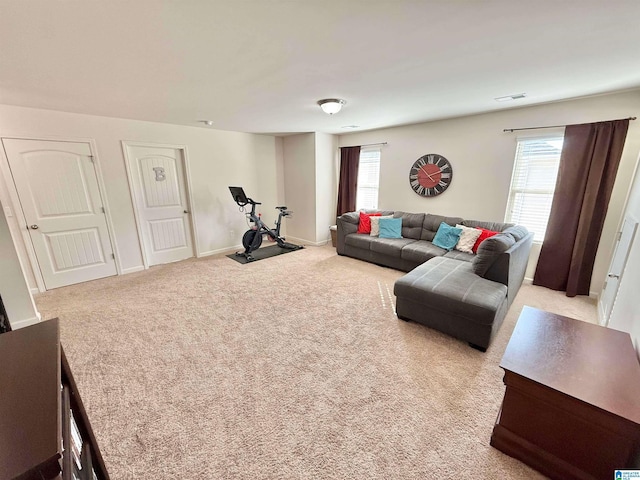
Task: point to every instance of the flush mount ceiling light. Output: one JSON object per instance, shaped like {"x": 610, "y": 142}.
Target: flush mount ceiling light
{"x": 508, "y": 98}
{"x": 331, "y": 105}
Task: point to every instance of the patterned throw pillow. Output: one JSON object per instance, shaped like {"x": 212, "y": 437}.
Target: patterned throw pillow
{"x": 375, "y": 225}
{"x": 468, "y": 238}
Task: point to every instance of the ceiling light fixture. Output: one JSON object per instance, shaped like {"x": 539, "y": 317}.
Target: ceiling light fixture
{"x": 508, "y": 98}
{"x": 331, "y": 105}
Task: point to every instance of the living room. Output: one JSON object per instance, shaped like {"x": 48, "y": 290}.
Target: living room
{"x": 299, "y": 168}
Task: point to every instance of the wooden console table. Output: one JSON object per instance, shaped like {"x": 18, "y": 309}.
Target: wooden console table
{"x": 44, "y": 430}
{"x": 571, "y": 408}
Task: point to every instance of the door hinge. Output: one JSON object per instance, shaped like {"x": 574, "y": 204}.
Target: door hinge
{"x": 619, "y": 236}
{"x": 91, "y": 158}
{"x": 103, "y": 210}
{"x": 113, "y": 255}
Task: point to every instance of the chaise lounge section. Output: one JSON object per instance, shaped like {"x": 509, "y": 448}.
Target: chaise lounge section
{"x": 464, "y": 295}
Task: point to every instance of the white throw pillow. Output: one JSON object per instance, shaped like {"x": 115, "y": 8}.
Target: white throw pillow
{"x": 375, "y": 225}
{"x": 468, "y": 238}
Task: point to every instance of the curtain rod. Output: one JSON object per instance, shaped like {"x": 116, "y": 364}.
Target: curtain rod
{"x": 365, "y": 145}
{"x": 551, "y": 126}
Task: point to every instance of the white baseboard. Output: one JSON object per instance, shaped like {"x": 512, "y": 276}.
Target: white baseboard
{"x": 226, "y": 250}
{"x": 139, "y": 268}
{"x": 34, "y": 291}
{"x": 24, "y": 323}
{"x": 601, "y": 320}
{"x": 302, "y": 241}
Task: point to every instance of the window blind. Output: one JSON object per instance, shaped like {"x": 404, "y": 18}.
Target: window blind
{"x": 368, "y": 179}
{"x": 533, "y": 183}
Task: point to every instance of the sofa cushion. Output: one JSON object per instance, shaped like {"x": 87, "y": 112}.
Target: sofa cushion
{"x": 411, "y": 224}
{"x": 389, "y": 246}
{"x": 495, "y": 226}
{"x": 518, "y": 232}
{"x": 489, "y": 250}
{"x": 458, "y": 255}
{"x": 447, "y": 236}
{"x": 450, "y": 285}
{"x": 375, "y": 224}
{"x": 421, "y": 251}
{"x": 390, "y": 228}
{"x": 468, "y": 238}
{"x": 432, "y": 222}
{"x": 359, "y": 240}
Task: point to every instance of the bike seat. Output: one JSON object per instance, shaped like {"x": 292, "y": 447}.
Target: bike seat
{"x": 281, "y": 208}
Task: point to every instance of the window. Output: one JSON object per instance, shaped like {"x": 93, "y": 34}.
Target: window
{"x": 368, "y": 179}
{"x": 533, "y": 182}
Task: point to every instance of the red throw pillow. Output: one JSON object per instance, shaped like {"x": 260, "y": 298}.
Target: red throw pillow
{"x": 365, "y": 222}
{"x": 484, "y": 235}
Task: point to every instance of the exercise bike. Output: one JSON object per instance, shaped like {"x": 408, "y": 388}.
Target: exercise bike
{"x": 252, "y": 238}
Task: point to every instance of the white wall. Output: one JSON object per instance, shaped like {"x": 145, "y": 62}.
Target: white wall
{"x": 300, "y": 186}
{"x": 326, "y": 186}
{"x": 625, "y": 314}
{"x": 217, "y": 159}
{"x": 482, "y": 158}
{"x": 14, "y": 291}
{"x": 310, "y": 186}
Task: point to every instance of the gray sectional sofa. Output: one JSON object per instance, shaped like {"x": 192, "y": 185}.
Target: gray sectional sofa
{"x": 462, "y": 294}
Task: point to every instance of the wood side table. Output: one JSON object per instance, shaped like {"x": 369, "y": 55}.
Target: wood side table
{"x": 45, "y": 433}
{"x": 571, "y": 408}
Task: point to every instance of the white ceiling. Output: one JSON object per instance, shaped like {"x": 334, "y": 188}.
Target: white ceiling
{"x": 261, "y": 65}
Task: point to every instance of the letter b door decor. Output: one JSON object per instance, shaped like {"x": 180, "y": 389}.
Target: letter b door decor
{"x": 158, "y": 188}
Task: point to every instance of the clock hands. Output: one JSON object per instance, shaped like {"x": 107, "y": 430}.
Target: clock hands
{"x": 427, "y": 174}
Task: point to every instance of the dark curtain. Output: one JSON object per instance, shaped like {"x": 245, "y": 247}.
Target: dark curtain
{"x": 348, "y": 185}
{"x": 588, "y": 165}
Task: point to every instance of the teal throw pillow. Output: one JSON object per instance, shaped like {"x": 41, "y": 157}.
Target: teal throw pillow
{"x": 390, "y": 228}
{"x": 447, "y": 236}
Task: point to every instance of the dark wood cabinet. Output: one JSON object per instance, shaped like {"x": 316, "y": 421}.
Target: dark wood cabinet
{"x": 571, "y": 408}
{"x": 44, "y": 429}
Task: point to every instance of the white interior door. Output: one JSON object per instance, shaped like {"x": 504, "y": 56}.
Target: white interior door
{"x": 616, "y": 269}
{"x": 60, "y": 198}
{"x": 157, "y": 178}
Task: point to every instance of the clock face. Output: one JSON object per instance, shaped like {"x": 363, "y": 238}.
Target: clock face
{"x": 430, "y": 175}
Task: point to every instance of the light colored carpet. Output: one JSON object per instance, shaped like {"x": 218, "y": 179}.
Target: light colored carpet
{"x": 294, "y": 367}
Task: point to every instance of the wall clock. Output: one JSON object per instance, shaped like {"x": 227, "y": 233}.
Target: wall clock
{"x": 430, "y": 175}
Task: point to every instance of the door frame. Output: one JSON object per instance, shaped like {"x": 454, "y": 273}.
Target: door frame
{"x": 14, "y": 197}
{"x": 186, "y": 171}
{"x": 602, "y": 318}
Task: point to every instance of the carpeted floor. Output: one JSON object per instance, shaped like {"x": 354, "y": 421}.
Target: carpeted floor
{"x": 294, "y": 367}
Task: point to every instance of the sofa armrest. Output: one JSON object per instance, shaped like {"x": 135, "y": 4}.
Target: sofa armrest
{"x": 347, "y": 223}
{"x": 509, "y": 268}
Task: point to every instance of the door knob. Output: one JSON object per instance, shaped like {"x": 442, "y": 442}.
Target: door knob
{"x": 186, "y": 211}
{"x": 34, "y": 227}
{"x": 613, "y": 275}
